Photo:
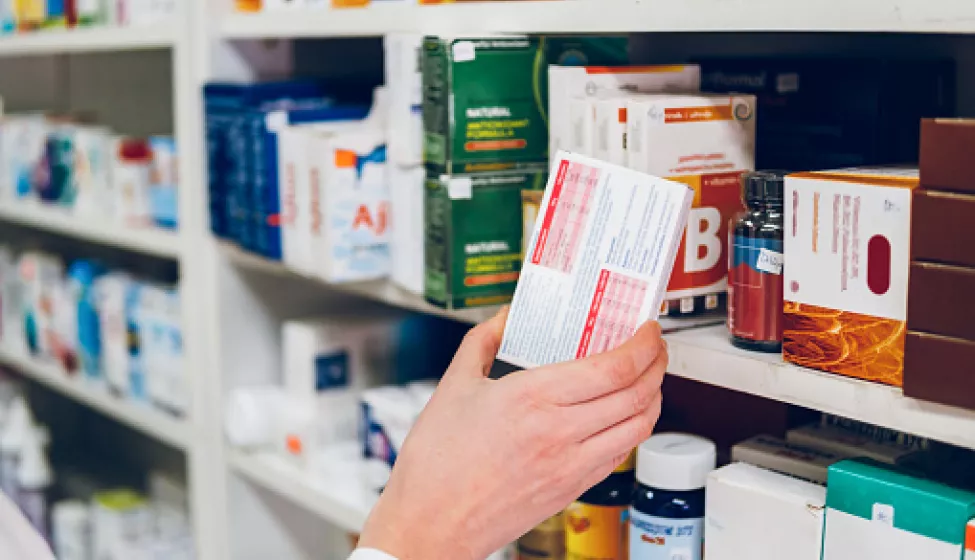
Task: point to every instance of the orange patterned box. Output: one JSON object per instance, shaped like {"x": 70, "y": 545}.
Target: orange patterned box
{"x": 847, "y": 260}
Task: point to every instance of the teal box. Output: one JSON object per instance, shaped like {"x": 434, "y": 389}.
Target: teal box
{"x": 877, "y": 512}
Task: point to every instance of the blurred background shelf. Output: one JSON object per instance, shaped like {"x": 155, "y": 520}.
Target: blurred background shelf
{"x": 172, "y": 431}
{"x": 600, "y": 16}
{"x": 93, "y": 39}
{"x": 148, "y": 241}
{"x": 340, "y": 500}
{"x": 706, "y": 355}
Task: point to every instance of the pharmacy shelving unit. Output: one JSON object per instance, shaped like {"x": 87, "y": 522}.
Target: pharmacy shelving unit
{"x": 274, "y": 509}
{"x": 49, "y": 56}
{"x": 256, "y": 506}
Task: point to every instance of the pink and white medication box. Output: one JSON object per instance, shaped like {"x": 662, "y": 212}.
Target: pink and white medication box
{"x": 598, "y": 262}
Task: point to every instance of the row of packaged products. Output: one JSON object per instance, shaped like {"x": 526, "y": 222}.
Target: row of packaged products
{"x": 860, "y": 272}
{"x": 475, "y": 158}
{"x": 84, "y": 517}
{"x": 104, "y": 328}
{"x": 88, "y": 171}
{"x": 23, "y": 16}
{"x": 832, "y": 490}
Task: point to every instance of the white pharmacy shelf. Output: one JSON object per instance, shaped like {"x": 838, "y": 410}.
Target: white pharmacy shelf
{"x": 88, "y": 39}
{"x": 379, "y": 290}
{"x": 341, "y": 500}
{"x": 707, "y": 356}
{"x": 149, "y": 241}
{"x": 388, "y": 293}
{"x": 154, "y": 423}
{"x": 604, "y": 16}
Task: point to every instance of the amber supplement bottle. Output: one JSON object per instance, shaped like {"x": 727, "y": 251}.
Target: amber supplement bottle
{"x": 596, "y": 525}
{"x": 755, "y": 307}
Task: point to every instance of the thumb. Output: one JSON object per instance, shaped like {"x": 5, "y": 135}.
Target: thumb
{"x": 476, "y": 354}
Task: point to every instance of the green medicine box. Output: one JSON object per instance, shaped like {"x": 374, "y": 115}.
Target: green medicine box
{"x": 482, "y": 109}
{"x": 878, "y": 512}
{"x": 474, "y": 233}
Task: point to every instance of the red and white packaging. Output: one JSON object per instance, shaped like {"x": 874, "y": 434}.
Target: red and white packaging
{"x": 706, "y": 142}
{"x": 598, "y": 262}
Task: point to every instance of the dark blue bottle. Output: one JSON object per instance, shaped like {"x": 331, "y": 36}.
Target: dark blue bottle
{"x": 667, "y": 515}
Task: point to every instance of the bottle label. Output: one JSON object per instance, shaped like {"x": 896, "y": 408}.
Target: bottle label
{"x": 595, "y": 532}
{"x": 660, "y": 538}
{"x": 755, "y": 289}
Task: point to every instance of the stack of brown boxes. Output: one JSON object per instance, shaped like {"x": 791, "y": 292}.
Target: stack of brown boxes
{"x": 939, "y": 360}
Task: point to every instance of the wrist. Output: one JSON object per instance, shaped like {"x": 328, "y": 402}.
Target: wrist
{"x": 409, "y": 534}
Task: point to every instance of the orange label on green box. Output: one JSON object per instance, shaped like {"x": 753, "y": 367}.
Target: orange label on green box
{"x": 595, "y": 532}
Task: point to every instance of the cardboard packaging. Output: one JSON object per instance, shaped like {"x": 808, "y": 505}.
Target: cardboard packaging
{"x": 228, "y": 143}
{"x": 941, "y": 229}
{"x": 404, "y": 80}
{"x": 800, "y": 461}
{"x": 602, "y": 82}
{"x": 350, "y": 201}
{"x": 474, "y": 236}
{"x": 706, "y": 142}
{"x": 479, "y": 113}
{"x": 847, "y": 243}
{"x": 406, "y": 241}
{"x": 938, "y": 369}
{"x": 831, "y": 113}
{"x": 937, "y": 297}
{"x": 877, "y": 513}
{"x": 610, "y": 117}
{"x": 946, "y": 149}
{"x": 850, "y": 444}
{"x": 597, "y": 264}
{"x": 741, "y": 501}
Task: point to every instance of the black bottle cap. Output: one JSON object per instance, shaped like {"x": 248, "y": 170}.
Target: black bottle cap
{"x": 763, "y": 186}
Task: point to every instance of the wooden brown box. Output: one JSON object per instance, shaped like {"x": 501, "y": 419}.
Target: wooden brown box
{"x": 943, "y": 227}
{"x": 941, "y": 300}
{"x": 940, "y": 369}
{"x": 947, "y": 148}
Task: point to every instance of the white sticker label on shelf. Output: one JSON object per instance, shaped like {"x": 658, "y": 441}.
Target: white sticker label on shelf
{"x": 883, "y": 514}
{"x": 460, "y": 188}
{"x": 770, "y": 261}
{"x": 464, "y": 51}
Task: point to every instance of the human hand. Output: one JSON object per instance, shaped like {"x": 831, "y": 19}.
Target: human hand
{"x": 489, "y": 459}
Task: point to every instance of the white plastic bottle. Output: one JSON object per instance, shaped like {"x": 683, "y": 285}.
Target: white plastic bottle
{"x": 14, "y": 432}
{"x": 34, "y": 476}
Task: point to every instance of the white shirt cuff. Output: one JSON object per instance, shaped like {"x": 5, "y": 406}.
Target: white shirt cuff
{"x": 370, "y": 554}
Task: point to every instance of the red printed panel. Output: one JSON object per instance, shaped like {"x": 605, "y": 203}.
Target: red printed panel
{"x": 565, "y": 216}
{"x": 613, "y": 313}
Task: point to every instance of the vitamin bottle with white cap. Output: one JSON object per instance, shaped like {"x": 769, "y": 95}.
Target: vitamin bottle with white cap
{"x": 667, "y": 515}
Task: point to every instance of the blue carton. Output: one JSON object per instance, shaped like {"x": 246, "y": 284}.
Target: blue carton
{"x": 223, "y": 104}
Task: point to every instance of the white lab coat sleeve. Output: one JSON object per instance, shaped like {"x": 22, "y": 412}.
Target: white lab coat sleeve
{"x": 370, "y": 554}
{"x": 18, "y": 539}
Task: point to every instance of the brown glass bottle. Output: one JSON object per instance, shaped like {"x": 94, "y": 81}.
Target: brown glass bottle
{"x": 755, "y": 287}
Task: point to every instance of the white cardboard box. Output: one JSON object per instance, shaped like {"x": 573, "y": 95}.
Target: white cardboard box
{"x": 406, "y": 242}
{"x": 404, "y": 80}
{"x": 569, "y": 82}
{"x": 707, "y": 142}
{"x": 757, "y": 514}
